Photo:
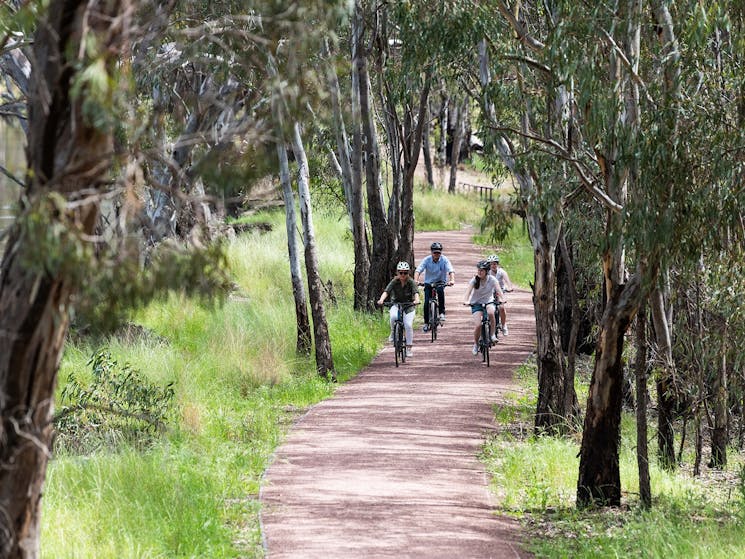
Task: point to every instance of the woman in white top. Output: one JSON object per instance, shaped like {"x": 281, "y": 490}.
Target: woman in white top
{"x": 480, "y": 293}
{"x": 505, "y": 283}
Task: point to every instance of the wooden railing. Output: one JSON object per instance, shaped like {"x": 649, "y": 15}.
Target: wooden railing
{"x": 485, "y": 192}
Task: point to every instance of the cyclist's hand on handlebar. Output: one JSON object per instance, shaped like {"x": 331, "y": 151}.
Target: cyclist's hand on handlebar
{"x": 450, "y": 283}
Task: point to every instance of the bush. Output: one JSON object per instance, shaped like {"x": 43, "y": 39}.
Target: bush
{"x": 119, "y": 407}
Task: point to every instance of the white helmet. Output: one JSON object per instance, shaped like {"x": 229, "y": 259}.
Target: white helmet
{"x": 403, "y": 267}
{"x": 492, "y": 258}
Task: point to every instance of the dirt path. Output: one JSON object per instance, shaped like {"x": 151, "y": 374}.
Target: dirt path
{"x": 388, "y": 467}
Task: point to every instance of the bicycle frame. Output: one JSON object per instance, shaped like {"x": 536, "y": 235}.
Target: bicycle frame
{"x": 434, "y": 306}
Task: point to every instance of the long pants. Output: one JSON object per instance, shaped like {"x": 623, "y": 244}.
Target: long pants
{"x": 428, "y": 296}
{"x": 408, "y": 323}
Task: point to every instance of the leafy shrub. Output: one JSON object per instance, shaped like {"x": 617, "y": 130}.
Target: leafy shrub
{"x": 118, "y": 407}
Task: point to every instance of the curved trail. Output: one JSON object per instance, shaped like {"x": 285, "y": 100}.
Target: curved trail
{"x": 388, "y": 467}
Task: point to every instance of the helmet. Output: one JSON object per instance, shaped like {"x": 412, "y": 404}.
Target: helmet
{"x": 403, "y": 267}
{"x": 482, "y": 265}
{"x": 436, "y": 246}
{"x": 492, "y": 258}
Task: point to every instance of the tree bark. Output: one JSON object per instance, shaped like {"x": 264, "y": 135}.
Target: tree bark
{"x": 664, "y": 382}
{"x": 640, "y": 367}
{"x": 303, "y": 343}
{"x": 720, "y": 434}
{"x": 352, "y": 180}
{"x": 599, "y": 473}
{"x": 458, "y": 129}
{"x": 324, "y": 359}
{"x": 67, "y": 156}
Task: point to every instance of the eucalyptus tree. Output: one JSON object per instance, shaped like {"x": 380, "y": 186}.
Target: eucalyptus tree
{"x": 616, "y": 90}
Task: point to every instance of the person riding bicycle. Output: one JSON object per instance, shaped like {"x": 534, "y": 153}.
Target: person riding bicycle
{"x": 436, "y": 267}
{"x": 402, "y": 289}
{"x": 505, "y": 283}
{"x": 481, "y": 292}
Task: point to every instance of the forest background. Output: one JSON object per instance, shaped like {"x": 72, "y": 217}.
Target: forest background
{"x": 619, "y": 125}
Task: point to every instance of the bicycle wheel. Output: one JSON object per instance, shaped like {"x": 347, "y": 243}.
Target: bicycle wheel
{"x": 485, "y": 343}
{"x": 397, "y": 331}
{"x": 433, "y": 321}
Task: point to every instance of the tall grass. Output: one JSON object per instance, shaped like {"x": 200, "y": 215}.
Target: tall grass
{"x": 535, "y": 479}
{"x": 238, "y": 383}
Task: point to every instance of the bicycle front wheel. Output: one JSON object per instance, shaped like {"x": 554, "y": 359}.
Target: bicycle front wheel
{"x": 400, "y": 343}
{"x": 485, "y": 342}
{"x": 433, "y": 319}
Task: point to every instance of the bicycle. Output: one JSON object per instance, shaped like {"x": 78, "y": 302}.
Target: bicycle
{"x": 434, "y": 306}
{"x": 399, "y": 331}
{"x": 485, "y": 341}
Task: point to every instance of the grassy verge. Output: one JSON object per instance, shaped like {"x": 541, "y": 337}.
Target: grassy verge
{"x": 535, "y": 480}
{"x": 238, "y": 385}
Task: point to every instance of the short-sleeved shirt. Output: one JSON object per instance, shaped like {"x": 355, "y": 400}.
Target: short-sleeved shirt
{"x": 435, "y": 271}
{"x": 484, "y": 293}
{"x": 398, "y": 293}
{"x": 499, "y": 274}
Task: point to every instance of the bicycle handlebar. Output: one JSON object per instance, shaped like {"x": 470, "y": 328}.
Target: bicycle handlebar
{"x": 436, "y": 284}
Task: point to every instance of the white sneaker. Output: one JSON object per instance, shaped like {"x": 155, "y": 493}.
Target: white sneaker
{"x": 409, "y": 352}
{"x": 494, "y": 338}
{"x": 475, "y": 349}
{"x": 442, "y": 317}
{"x": 505, "y": 330}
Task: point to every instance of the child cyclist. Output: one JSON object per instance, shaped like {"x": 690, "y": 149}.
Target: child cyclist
{"x": 402, "y": 289}
{"x": 504, "y": 282}
{"x": 481, "y": 291}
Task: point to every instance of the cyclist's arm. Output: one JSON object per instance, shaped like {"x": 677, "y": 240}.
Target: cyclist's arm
{"x": 467, "y": 299}
{"x": 451, "y": 278}
{"x": 383, "y": 297}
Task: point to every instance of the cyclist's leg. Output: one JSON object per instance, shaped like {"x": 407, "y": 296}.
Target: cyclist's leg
{"x": 409, "y": 326}
{"x": 427, "y": 290}
{"x": 441, "y": 297}
{"x": 503, "y": 318}
{"x": 393, "y": 316}
{"x": 492, "y": 320}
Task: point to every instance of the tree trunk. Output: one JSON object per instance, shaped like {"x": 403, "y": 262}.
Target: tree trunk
{"x": 380, "y": 226}
{"x": 67, "y": 156}
{"x": 550, "y": 415}
{"x": 599, "y": 474}
{"x": 664, "y": 383}
{"x": 303, "y": 344}
{"x": 427, "y": 149}
{"x": 352, "y": 180}
{"x": 458, "y": 129}
{"x": 640, "y": 366}
{"x": 324, "y": 360}
{"x": 412, "y": 144}
{"x": 719, "y": 434}
{"x": 571, "y": 404}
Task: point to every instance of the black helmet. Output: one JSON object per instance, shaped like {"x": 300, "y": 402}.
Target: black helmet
{"x": 436, "y": 246}
{"x": 483, "y": 265}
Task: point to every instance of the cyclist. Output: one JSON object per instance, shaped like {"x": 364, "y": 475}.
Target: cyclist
{"x": 505, "y": 283}
{"x": 402, "y": 289}
{"x": 436, "y": 267}
{"x": 481, "y": 291}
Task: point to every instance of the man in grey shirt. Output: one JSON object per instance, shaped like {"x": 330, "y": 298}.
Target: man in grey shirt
{"x": 435, "y": 267}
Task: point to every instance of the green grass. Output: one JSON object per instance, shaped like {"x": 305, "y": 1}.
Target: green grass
{"x": 437, "y": 211}
{"x": 535, "y": 480}
{"x": 239, "y": 385}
